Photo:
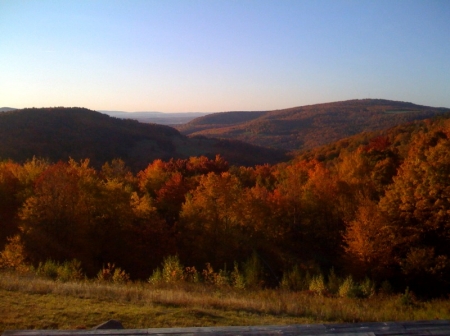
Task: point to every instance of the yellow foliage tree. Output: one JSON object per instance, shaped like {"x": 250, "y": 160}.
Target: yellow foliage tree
{"x": 210, "y": 221}
{"x": 367, "y": 241}
{"x": 13, "y": 256}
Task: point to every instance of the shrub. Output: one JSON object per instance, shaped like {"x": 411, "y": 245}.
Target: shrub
{"x": 120, "y": 276}
{"x": 13, "y": 256}
{"x": 156, "y": 278}
{"x": 350, "y": 289}
{"x": 408, "y": 298}
{"x": 292, "y": 280}
{"x": 190, "y": 275}
{"x": 317, "y": 285}
{"x": 334, "y": 282}
{"x": 220, "y": 279}
{"x": 367, "y": 288}
{"x": 49, "y": 269}
{"x": 172, "y": 270}
{"x": 208, "y": 274}
{"x": 346, "y": 288}
{"x": 111, "y": 273}
{"x": 70, "y": 271}
{"x": 67, "y": 271}
{"x": 106, "y": 273}
{"x": 253, "y": 272}
{"x": 237, "y": 279}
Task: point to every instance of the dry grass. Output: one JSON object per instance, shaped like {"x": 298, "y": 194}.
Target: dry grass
{"x": 28, "y": 302}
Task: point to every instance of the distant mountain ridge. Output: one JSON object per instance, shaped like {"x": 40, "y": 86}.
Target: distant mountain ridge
{"x": 242, "y": 138}
{"x": 60, "y": 133}
{"x": 6, "y": 109}
{"x": 151, "y": 117}
{"x": 157, "y": 117}
{"x": 310, "y": 126}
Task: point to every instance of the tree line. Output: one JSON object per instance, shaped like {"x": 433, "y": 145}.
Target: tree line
{"x": 380, "y": 211}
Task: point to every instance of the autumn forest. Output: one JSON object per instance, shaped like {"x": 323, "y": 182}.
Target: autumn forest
{"x": 375, "y": 205}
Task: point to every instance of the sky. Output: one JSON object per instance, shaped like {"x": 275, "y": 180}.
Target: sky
{"x": 222, "y": 55}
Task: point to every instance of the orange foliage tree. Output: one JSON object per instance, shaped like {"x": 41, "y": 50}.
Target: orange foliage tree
{"x": 210, "y": 222}
{"x": 418, "y": 207}
{"x": 368, "y": 243}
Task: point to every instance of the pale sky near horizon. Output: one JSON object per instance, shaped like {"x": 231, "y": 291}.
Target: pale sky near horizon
{"x": 222, "y": 55}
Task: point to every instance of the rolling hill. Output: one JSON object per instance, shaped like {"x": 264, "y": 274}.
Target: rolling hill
{"x": 397, "y": 138}
{"x": 306, "y": 127}
{"x": 60, "y": 133}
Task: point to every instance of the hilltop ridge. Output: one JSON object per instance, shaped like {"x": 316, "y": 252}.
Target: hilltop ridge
{"x": 309, "y": 126}
{"x": 59, "y": 133}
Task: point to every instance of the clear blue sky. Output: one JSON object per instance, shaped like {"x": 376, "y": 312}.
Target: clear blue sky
{"x": 222, "y": 55}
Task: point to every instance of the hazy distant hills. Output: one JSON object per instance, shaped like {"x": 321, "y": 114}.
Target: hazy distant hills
{"x": 157, "y": 117}
{"x": 161, "y": 118}
{"x": 6, "y": 109}
{"x": 309, "y": 126}
{"x": 60, "y": 133}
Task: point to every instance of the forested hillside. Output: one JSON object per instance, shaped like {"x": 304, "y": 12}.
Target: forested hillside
{"x": 60, "y": 133}
{"x": 307, "y": 127}
{"x": 378, "y": 208}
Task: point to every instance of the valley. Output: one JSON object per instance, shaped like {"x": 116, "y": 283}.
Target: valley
{"x": 77, "y": 188}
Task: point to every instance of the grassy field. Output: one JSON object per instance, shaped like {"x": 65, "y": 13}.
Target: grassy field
{"x": 28, "y": 302}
